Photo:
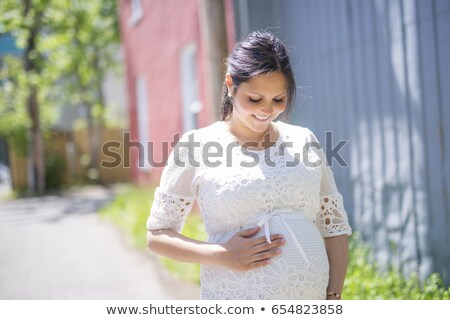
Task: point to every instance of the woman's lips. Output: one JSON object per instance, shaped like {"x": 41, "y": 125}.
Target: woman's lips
{"x": 262, "y": 119}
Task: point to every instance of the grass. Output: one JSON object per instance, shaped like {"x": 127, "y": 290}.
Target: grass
{"x": 130, "y": 211}
{"x": 10, "y": 195}
{"x": 364, "y": 281}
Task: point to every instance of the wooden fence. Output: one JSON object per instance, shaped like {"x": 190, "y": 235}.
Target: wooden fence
{"x": 67, "y": 155}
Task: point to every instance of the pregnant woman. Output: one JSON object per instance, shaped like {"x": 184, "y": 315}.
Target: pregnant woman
{"x": 276, "y": 223}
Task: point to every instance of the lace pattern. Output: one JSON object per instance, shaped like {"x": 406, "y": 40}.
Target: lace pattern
{"x": 232, "y": 196}
{"x": 332, "y": 218}
{"x": 290, "y": 275}
{"x": 168, "y": 211}
{"x": 280, "y": 280}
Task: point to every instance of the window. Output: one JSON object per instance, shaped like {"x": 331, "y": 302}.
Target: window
{"x": 189, "y": 87}
{"x": 136, "y": 12}
{"x": 142, "y": 123}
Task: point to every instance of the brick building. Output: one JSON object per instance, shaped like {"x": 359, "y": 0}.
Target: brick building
{"x": 165, "y": 71}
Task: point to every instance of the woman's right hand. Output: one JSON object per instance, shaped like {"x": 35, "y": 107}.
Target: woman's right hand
{"x": 245, "y": 252}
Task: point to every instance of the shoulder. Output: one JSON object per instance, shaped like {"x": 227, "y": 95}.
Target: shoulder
{"x": 200, "y": 134}
{"x": 295, "y": 132}
{"x": 215, "y": 127}
{"x": 212, "y": 132}
{"x": 198, "y": 137}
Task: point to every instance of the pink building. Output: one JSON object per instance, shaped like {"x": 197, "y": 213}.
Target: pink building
{"x": 165, "y": 77}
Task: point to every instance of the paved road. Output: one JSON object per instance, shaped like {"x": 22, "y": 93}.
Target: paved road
{"x": 57, "y": 247}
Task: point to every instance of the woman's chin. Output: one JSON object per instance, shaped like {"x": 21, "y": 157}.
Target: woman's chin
{"x": 260, "y": 126}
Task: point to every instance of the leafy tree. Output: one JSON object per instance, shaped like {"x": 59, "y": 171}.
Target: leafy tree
{"x": 26, "y": 21}
{"x": 68, "y": 47}
{"x": 94, "y": 45}
{"x": 14, "y": 119}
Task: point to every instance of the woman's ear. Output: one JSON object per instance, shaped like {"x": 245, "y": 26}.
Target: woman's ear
{"x": 229, "y": 83}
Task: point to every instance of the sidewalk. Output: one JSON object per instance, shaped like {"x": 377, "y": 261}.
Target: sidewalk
{"x": 57, "y": 247}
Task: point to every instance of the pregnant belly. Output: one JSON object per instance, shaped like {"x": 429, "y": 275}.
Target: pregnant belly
{"x": 299, "y": 272}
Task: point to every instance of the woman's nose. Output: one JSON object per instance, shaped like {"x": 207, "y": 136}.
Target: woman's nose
{"x": 267, "y": 109}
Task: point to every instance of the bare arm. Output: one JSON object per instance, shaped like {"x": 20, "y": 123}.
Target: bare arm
{"x": 337, "y": 251}
{"x": 242, "y": 252}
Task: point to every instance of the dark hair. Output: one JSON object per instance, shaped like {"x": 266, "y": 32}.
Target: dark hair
{"x": 259, "y": 53}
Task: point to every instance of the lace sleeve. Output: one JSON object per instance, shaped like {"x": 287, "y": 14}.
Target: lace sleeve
{"x": 174, "y": 197}
{"x": 331, "y": 218}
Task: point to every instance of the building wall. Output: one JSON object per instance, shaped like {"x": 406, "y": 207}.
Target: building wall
{"x": 152, "y": 49}
{"x": 376, "y": 73}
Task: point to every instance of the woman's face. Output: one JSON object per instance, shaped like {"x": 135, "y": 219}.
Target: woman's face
{"x": 258, "y": 101}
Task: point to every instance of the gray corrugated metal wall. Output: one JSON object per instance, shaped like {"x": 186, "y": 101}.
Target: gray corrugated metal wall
{"x": 377, "y": 73}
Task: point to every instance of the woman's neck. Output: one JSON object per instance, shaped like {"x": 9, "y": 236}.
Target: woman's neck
{"x": 252, "y": 139}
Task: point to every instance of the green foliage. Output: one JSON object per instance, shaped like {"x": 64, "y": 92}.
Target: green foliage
{"x": 55, "y": 167}
{"x": 75, "y": 42}
{"x": 130, "y": 211}
{"x": 85, "y": 51}
{"x": 364, "y": 281}
{"x": 14, "y": 120}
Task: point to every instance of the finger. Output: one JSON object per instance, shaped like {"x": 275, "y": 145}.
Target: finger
{"x": 266, "y": 255}
{"x": 262, "y": 239}
{"x": 268, "y": 246}
{"x": 258, "y": 264}
{"x": 249, "y": 232}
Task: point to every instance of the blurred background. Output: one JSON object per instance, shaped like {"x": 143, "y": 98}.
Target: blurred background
{"x": 75, "y": 75}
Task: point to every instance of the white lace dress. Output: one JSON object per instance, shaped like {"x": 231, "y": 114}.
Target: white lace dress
{"x": 286, "y": 189}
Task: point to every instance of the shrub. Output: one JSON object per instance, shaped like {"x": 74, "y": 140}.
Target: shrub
{"x": 366, "y": 281}
{"x": 55, "y": 168}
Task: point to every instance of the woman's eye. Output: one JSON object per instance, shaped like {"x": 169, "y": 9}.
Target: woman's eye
{"x": 278, "y": 100}
{"x": 254, "y": 100}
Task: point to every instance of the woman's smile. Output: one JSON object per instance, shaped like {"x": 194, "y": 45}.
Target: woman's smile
{"x": 262, "y": 118}
{"x": 257, "y": 102}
